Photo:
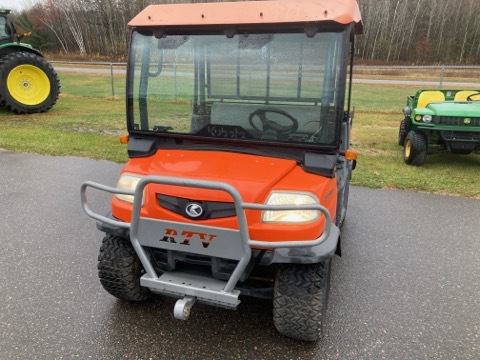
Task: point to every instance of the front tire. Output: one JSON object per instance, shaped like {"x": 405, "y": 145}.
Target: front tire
{"x": 28, "y": 83}
{"x": 415, "y": 148}
{"x": 300, "y": 299}
{"x": 120, "y": 269}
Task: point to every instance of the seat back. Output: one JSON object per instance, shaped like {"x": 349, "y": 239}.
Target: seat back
{"x": 463, "y": 94}
{"x": 429, "y": 96}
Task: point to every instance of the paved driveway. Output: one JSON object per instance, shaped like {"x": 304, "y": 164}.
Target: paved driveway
{"x": 407, "y": 286}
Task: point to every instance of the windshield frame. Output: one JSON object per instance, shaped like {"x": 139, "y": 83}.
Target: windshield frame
{"x": 164, "y": 138}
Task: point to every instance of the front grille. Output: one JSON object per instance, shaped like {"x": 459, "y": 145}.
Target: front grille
{"x": 456, "y": 120}
{"x": 210, "y": 209}
{"x": 167, "y": 260}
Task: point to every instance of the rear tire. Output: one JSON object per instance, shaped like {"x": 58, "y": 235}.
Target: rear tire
{"x": 28, "y": 83}
{"x": 415, "y": 148}
{"x": 300, "y": 299}
{"x": 120, "y": 269}
{"x": 402, "y": 132}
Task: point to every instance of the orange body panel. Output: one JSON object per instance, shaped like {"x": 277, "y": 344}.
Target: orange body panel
{"x": 253, "y": 176}
{"x": 250, "y": 12}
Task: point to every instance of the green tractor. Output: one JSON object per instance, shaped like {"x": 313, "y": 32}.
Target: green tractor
{"x": 28, "y": 83}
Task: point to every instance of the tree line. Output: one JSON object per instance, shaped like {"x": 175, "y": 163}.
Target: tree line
{"x": 405, "y": 31}
{"x": 421, "y": 31}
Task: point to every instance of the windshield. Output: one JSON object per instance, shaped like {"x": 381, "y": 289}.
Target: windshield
{"x": 279, "y": 87}
{"x": 4, "y": 28}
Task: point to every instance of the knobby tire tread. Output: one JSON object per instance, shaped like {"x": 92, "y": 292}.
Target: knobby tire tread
{"x": 300, "y": 300}
{"x": 120, "y": 269}
{"x": 418, "y": 148}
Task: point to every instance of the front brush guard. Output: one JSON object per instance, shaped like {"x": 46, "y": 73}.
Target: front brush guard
{"x": 228, "y": 243}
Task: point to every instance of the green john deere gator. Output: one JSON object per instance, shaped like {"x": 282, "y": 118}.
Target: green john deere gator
{"x": 437, "y": 120}
{"x": 28, "y": 83}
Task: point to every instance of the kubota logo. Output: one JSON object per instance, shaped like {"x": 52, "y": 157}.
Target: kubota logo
{"x": 194, "y": 210}
{"x": 184, "y": 238}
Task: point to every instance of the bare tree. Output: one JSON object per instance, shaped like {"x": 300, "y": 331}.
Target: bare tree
{"x": 407, "y": 30}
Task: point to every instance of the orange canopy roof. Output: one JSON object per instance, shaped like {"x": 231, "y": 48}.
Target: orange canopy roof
{"x": 250, "y": 12}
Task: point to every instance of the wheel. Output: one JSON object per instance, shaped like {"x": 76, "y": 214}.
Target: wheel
{"x": 402, "y": 132}
{"x": 415, "y": 148}
{"x": 300, "y": 299}
{"x": 120, "y": 269}
{"x": 342, "y": 211}
{"x": 270, "y": 125}
{"x": 28, "y": 83}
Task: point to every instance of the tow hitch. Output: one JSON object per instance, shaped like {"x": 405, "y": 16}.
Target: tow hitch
{"x": 183, "y": 307}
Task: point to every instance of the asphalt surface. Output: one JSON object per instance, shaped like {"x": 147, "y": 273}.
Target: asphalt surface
{"x": 406, "y": 287}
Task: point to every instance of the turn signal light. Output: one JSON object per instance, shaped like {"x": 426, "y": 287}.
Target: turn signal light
{"x": 123, "y": 139}
{"x": 351, "y": 154}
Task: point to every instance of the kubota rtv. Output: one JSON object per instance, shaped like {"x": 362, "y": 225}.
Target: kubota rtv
{"x": 239, "y": 164}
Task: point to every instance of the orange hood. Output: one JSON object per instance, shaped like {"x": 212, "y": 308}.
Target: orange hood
{"x": 252, "y": 175}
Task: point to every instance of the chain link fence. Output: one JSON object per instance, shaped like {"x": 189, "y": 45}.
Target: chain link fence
{"x": 433, "y": 76}
{"x": 439, "y": 76}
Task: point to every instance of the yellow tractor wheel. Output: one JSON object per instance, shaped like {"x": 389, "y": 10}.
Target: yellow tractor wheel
{"x": 28, "y": 83}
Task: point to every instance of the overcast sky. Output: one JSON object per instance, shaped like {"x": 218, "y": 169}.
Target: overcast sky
{"x": 16, "y": 4}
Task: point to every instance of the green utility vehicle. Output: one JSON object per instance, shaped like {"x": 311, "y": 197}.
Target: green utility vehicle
{"x": 438, "y": 120}
{"x": 28, "y": 83}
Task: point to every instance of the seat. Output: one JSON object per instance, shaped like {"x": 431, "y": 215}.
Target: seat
{"x": 463, "y": 94}
{"x": 429, "y": 96}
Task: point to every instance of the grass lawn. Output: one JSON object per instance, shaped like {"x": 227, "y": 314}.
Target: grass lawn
{"x": 87, "y": 121}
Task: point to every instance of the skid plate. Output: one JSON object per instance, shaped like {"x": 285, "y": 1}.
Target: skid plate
{"x": 206, "y": 289}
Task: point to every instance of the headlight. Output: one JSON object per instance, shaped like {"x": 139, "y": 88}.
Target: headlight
{"x": 127, "y": 181}
{"x": 427, "y": 118}
{"x": 290, "y": 216}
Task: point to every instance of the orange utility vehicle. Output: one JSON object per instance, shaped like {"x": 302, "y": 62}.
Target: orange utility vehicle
{"x": 239, "y": 164}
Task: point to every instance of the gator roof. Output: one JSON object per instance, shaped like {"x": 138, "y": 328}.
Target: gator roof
{"x": 250, "y": 12}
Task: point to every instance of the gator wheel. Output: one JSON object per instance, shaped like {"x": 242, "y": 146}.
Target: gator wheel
{"x": 300, "y": 299}
{"x": 415, "y": 148}
{"x": 28, "y": 83}
{"x": 120, "y": 269}
{"x": 402, "y": 132}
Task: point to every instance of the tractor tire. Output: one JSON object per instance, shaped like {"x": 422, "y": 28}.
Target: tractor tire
{"x": 300, "y": 299}
{"x": 28, "y": 83}
{"x": 402, "y": 132}
{"x": 415, "y": 148}
{"x": 120, "y": 269}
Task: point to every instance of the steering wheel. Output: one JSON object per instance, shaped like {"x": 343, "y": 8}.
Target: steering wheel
{"x": 470, "y": 97}
{"x": 270, "y": 125}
